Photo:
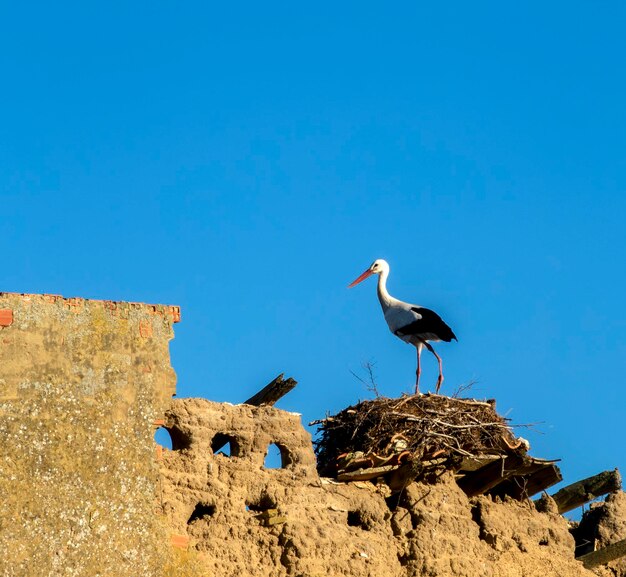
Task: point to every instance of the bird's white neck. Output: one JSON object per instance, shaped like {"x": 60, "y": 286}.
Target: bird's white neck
{"x": 383, "y": 296}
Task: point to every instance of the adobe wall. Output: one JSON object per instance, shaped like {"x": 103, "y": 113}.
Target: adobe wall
{"x": 241, "y": 519}
{"x": 81, "y": 383}
{"x": 85, "y": 491}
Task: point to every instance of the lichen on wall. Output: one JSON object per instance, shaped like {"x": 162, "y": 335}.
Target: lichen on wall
{"x": 81, "y": 384}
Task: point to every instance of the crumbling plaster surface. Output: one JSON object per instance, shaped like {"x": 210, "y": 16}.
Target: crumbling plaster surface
{"x": 233, "y": 541}
{"x": 81, "y": 383}
{"x": 327, "y": 528}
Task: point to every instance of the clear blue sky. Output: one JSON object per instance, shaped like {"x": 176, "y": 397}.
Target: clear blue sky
{"x": 248, "y": 161}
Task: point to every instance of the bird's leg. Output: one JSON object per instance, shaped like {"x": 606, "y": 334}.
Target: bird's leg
{"x": 440, "y": 378}
{"x": 419, "y": 369}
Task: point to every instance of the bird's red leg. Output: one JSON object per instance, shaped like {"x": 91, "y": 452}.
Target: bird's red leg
{"x": 419, "y": 369}
{"x": 440, "y": 378}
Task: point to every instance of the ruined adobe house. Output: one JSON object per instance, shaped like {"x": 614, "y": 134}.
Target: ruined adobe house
{"x": 85, "y": 491}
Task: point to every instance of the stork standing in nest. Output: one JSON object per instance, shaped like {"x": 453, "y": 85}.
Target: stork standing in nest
{"x": 411, "y": 323}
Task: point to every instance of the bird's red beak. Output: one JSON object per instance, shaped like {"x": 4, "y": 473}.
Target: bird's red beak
{"x": 367, "y": 273}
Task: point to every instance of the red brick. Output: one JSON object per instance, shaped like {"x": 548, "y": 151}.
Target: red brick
{"x": 181, "y": 541}
{"x": 145, "y": 329}
{"x": 6, "y": 317}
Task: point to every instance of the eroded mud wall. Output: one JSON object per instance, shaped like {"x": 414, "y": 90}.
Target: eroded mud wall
{"x": 603, "y": 524}
{"x": 81, "y": 383}
{"x": 244, "y": 519}
{"x": 83, "y": 492}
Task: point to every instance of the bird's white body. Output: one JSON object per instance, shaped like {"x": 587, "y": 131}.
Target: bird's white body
{"x": 412, "y": 323}
{"x": 397, "y": 313}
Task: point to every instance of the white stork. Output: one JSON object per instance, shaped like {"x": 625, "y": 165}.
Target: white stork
{"x": 411, "y": 323}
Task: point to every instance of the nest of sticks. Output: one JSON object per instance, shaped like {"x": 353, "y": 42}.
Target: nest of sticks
{"x": 423, "y": 433}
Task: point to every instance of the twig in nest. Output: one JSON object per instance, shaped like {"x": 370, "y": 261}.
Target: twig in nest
{"x": 370, "y": 383}
{"x": 459, "y": 450}
{"x": 444, "y": 424}
{"x": 462, "y": 388}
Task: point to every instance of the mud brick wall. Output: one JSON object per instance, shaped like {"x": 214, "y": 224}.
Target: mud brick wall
{"x": 81, "y": 383}
{"x": 241, "y": 518}
{"x": 86, "y": 492}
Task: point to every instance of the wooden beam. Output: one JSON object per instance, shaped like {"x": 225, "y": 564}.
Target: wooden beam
{"x": 529, "y": 483}
{"x": 604, "y": 555}
{"x": 268, "y": 395}
{"x": 486, "y": 478}
{"x": 582, "y": 492}
{"x": 473, "y": 463}
{"x": 366, "y": 474}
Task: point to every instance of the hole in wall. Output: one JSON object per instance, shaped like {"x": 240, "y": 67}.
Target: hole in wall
{"x": 180, "y": 440}
{"x": 393, "y": 501}
{"x": 272, "y": 457}
{"x": 172, "y": 438}
{"x": 358, "y": 519}
{"x": 263, "y": 503}
{"x": 201, "y": 511}
{"x": 225, "y": 444}
{"x": 163, "y": 438}
{"x": 277, "y": 457}
{"x": 224, "y": 450}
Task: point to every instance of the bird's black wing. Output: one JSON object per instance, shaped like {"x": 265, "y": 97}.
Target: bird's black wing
{"x": 430, "y": 323}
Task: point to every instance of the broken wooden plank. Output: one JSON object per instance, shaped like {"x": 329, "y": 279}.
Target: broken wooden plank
{"x": 534, "y": 464}
{"x": 486, "y": 478}
{"x": 530, "y": 483}
{"x": 582, "y": 492}
{"x": 268, "y": 395}
{"x": 604, "y": 555}
{"x": 366, "y": 474}
{"x": 473, "y": 463}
